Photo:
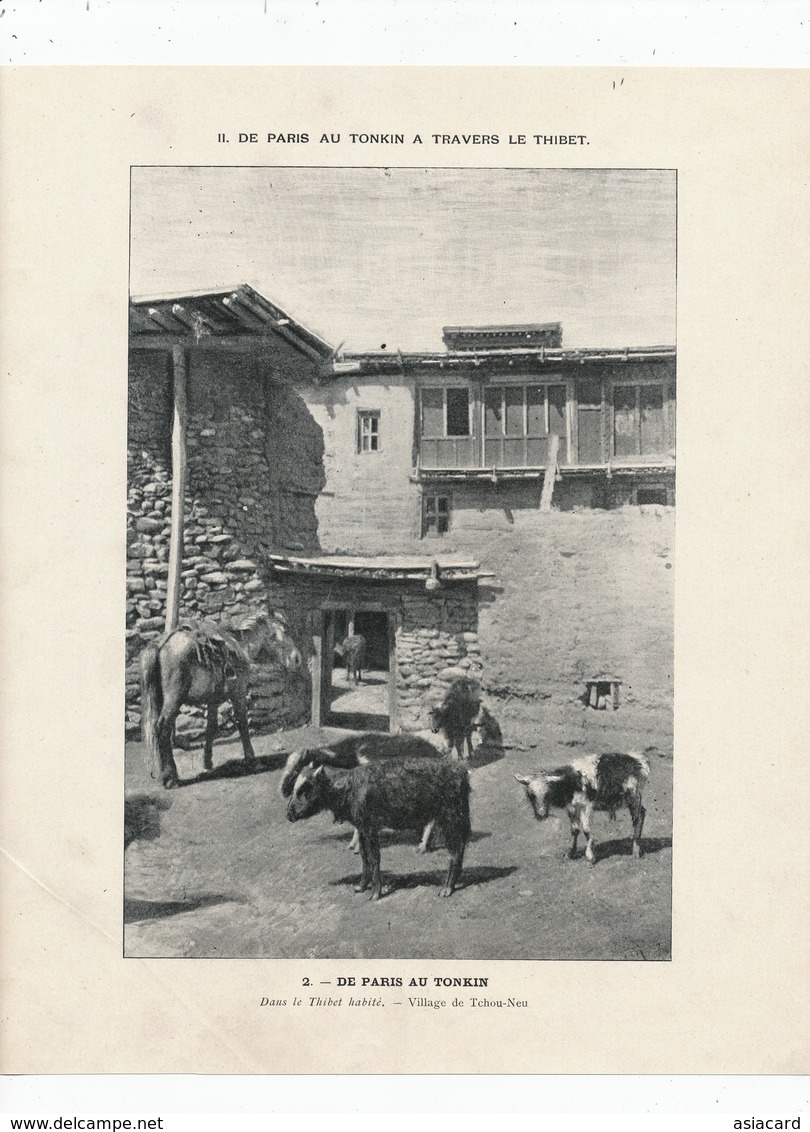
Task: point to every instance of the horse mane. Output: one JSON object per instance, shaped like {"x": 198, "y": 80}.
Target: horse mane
{"x": 250, "y": 621}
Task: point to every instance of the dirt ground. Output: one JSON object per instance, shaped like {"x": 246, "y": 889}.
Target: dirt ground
{"x": 215, "y": 869}
{"x": 221, "y": 872}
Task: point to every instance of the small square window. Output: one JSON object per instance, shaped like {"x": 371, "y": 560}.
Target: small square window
{"x": 368, "y": 430}
{"x": 435, "y": 515}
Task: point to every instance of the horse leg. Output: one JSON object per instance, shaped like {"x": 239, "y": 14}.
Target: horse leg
{"x": 165, "y": 731}
{"x": 239, "y": 701}
{"x": 210, "y": 732}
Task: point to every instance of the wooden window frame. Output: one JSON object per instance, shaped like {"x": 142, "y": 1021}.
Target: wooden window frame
{"x": 371, "y": 416}
{"x": 437, "y": 496}
{"x": 445, "y": 435}
{"x": 668, "y": 407}
{"x": 525, "y": 385}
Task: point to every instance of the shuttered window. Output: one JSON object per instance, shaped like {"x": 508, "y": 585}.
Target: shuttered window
{"x": 640, "y": 421}
{"x": 518, "y": 421}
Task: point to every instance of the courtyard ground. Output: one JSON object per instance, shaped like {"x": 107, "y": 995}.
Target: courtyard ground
{"x": 215, "y": 869}
{"x": 221, "y": 872}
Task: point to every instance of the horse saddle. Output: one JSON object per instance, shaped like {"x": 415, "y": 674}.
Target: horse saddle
{"x": 216, "y": 648}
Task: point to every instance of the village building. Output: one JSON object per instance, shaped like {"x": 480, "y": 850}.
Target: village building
{"x": 220, "y": 437}
{"x": 215, "y": 417}
{"x": 504, "y": 419}
{"x": 268, "y": 470}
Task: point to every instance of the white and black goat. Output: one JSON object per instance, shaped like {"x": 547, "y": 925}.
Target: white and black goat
{"x": 595, "y": 782}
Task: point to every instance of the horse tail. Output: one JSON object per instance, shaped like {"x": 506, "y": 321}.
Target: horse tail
{"x": 151, "y": 706}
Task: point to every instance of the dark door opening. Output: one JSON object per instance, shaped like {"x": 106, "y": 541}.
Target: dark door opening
{"x": 370, "y": 703}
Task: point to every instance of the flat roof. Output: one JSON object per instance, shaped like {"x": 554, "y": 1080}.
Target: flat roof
{"x": 381, "y": 567}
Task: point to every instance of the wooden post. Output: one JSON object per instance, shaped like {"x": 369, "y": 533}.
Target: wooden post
{"x": 327, "y": 665}
{"x": 179, "y": 423}
{"x": 551, "y": 472}
{"x": 317, "y": 669}
{"x": 393, "y": 701}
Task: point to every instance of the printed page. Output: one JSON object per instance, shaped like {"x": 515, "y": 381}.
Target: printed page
{"x": 345, "y": 509}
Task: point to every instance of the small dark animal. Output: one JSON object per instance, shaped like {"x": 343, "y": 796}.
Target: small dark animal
{"x": 204, "y": 663}
{"x": 596, "y": 782}
{"x": 488, "y": 728}
{"x": 358, "y": 750}
{"x": 456, "y": 714}
{"x": 393, "y": 794}
{"x": 353, "y": 651}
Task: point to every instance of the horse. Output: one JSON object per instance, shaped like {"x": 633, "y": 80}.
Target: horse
{"x": 204, "y": 663}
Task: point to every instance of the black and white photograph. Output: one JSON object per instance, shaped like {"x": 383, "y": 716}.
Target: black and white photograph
{"x": 401, "y": 480}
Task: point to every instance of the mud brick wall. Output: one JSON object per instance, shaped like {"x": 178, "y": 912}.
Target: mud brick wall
{"x": 370, "y": 499}
{"x": 436, "y": 633}
{"x": 254, "y": 469}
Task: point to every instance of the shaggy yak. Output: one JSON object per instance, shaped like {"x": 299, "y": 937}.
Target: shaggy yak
{"x": 596, "y": 782}
{"x": 357, "y": 750}
{"x": 391, "y": 794}
{"x": 457, "y": 713}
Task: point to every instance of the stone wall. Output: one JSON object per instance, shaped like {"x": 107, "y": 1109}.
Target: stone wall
{"x": 436, "y": 643}
{"x": 436, "y": 633}
{"x": 254, "y": 469}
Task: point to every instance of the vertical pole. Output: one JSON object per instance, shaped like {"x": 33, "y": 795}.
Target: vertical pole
{"x": 393, "y": 702}
{"x": 180, "y": 416}
{"x": 551, "y": 471}
{"x": 317, "y": 668}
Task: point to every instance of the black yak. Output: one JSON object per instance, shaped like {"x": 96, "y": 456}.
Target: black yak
{"x": 457, "y": 713}
{"x": 595, "y": 782}
{"x": 391, "y": 794}
{"x": 357, "y": 750}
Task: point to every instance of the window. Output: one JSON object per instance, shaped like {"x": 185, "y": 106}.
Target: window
{"x": 640, "y": 427}
{"x": 447, "y": 440}
{"x": 458, "y": 412}
{"x": 435, "y": 515}
{"x": 368, "y": 430}
{"x": 518, "y": 421}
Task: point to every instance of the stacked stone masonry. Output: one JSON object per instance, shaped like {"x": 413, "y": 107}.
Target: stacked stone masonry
{"x": 254, "y": 469}
{"x": 436, "y": 634}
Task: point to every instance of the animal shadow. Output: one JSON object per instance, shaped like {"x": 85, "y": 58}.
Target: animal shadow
{"x": 623, "y": 847}
{"x": 485, "y": 754}
{"x": 238, "y": 768}
{"x": 142, "y": 817}
{"x": 357, "y": 721}
{"x": 136, "y": 910}
{"x": 472, "y": 875}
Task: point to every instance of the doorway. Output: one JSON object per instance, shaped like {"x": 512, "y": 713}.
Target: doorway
{"x": 370, "y": 703}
